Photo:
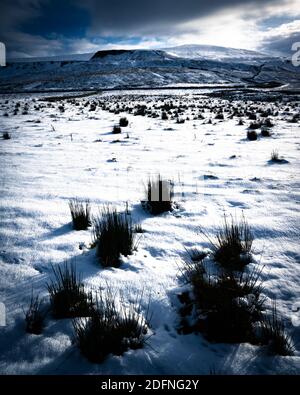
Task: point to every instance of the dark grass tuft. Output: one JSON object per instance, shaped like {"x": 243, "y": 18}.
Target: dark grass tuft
{"x": 233, "y": 323}
{"x": 81, "y": 214}
{"x": 220, "y": 115}
{"x": 164, "y": 116}
{"x": 275, "y": 336}
{"x": 6, "y": 136}
{"x": 114, "y": 236}
{"x": 252, "y": 116}
{"x": 251, "y": 135}
{"x": 111, "y": 330}
{"x": 159, "y": 195}
{"x": 138, "y": 228}
{"x": 268, "y": 123}
{"x": 233, "y": 244}
{"x": 254, "y": 125}
{"x": 123, "y": 122}
{"x": 213, "y": 290}
{"x": 265, "y": 132}
{"x": 276, "y": 158}
{"x": 67, "y": 294}
{"x": 117, "y": 129}
{"x": 196, "y": 255}
{"x": 35, "y": 316}
{"x": 227, "y": 305}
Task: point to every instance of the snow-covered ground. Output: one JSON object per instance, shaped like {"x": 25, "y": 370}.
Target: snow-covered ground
{"x": 54, "y": 156}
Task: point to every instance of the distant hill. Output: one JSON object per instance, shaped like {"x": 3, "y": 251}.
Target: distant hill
{"x": 134, "y": 68}
{"x": 213, "y": 52}
{"x": 63, "y": 57}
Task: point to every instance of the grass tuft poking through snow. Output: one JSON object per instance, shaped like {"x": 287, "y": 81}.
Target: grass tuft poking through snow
{"x": 196, "y": 255}
{"x": 67, "y": 294}
{"x": 111, "y": 330}
{"x": 265, "y": 132}
{"x": 252, "y": 135}
{"x": 117, "y": 129}
{"x": 233, "y": 323}
{"x": 275, "y": 336}
{"x": 233, "y": 244}
{"x": 274, "y": 156}
{"x": 123, "y": 122}
{"x": 164, "y": 116}
{"x": 159, "y": 195}
{"x": 228, "y": 305}
{"x": 6, "y": 136}
{"x": 35, "y": 316}
{"x": 81, "y": 214}
{"x": 113, "y": 236}
{"x": 138, "y": 228}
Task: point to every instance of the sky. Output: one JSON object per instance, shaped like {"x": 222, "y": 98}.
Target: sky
{"x": 55, "y": 27}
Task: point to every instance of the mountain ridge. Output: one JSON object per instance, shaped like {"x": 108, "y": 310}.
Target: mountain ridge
{"x": 122, "y": 68}
{"x": 175, "y": 49}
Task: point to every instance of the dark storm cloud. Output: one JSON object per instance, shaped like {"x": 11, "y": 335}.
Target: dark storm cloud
{"x": 132, "y": 16}
{"x": 13, "y": 13}
{"x": 126, "y": 16}
{"x": 40, "y": 27}
{"x": 281, "y": 44}
{"x": 274, "y": 21}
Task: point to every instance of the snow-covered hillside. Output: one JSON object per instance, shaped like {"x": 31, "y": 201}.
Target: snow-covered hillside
{"x": 149, "y": 68}
{"x": 213, "y": 52}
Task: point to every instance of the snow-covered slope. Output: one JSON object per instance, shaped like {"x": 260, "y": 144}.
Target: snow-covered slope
{"x": 215, "y": 53}
{"x": 147, "y": 68}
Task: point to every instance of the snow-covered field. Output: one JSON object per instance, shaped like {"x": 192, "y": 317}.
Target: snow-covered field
{"x": 53, "y": 156}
